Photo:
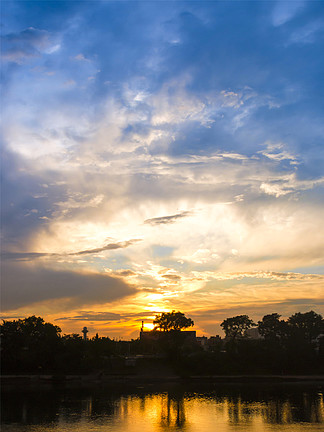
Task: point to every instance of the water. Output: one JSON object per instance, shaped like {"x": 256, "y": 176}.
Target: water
{"x": 166, "y": 408}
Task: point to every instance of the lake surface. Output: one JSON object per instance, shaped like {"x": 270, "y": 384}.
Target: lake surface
{"x": 164, "y": 408}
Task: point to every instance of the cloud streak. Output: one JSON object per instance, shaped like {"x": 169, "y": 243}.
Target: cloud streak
{"x": 281, "y": 276}
{"x": 34, "y": 255}
{"x": 92, "y": 316}
{"x": 167, "y": 219}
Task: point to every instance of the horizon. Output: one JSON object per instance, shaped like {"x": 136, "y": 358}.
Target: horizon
{"x": 161, "y": 156}
{"x": 146, "y": 327}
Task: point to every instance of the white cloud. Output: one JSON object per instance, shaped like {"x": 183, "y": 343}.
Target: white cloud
{"x": 275, "y": 189}
{"x": 281, "y": 185}
{"x": 81, "y": 57}
{"x": 308, "y": 33}
{"x": 285, "y": 11}
{"x": 277, "y": 152}
{"x": 259, "y": 275}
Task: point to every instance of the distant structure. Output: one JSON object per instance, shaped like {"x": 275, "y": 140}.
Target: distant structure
{"x": 253, "y": 333}
{"x": 85, "y": 331}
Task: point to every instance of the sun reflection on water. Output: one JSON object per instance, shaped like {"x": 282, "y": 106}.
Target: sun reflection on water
{"x": 168, "y": 411}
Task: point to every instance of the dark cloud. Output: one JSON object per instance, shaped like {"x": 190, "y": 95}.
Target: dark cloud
{"x": 108, "y": 316}
{"x": 27, "y": 256}
{"x": 92, "y": 316}
{"x": 23, "y": 285}
{"x": 123, "y": 273}
{"x": 24, "y": 256}
{"x": 110, "y": 246}
{"x": 167, "y": 219}
{"x": 12, "y": 317}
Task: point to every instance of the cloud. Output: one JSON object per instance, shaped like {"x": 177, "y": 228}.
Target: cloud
{"x": 121, "y": 273}
{"x": 34, "y": 255}
{"x": 277, "y": 152}
{"x": 28, "y": 43}
{"x": 286, "y": 184}
{"x": 110, "y": 246}
{"x": 167, "y": 219}
{"x": 172, "y": 277}
{"x": 106, "y": 320}
{"x": 92, "y": 316}
{"x": 284, "y": 11}
{"x": 277, "y": 189}
{"x": 23, "y": 286}
{"x": 81, "y": 57}
{"x": 261, "y": 275}
{"x": 308, "y": 33}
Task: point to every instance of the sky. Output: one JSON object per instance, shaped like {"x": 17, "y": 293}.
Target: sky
{"x": 159, "y": 156}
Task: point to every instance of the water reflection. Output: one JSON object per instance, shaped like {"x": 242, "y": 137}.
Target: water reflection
{"x": 172, "y": 412}
{"x": 174, "y": 409}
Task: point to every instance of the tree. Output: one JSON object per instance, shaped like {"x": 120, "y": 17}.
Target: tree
{"x": 37, "y": 329}
{"x": 306, "y": 325}
{"x": 29, "y": 331}
{"x": 29, "y": 343}
{"x": 237, "y": 326}
{"x": 168, "y": 321}
{"x": 271, "y": 327}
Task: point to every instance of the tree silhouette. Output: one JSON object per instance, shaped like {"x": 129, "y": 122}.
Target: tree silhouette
{"x": 306, "y": 325}
{"x": 236, "y": 327}
{"x": 168, "y": 321}
{"x": 30, "y": 342}
{"x": 271, "y": 327}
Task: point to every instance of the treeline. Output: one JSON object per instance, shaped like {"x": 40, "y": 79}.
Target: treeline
{"x": 292, "y": 346}
{"x": 33, "y": 346}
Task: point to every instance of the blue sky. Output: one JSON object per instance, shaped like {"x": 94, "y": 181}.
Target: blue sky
{"x": 161, "y": 155}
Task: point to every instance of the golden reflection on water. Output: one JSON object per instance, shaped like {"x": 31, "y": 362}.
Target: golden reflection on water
{"x": 167, "y": 413}
{"x": 180, "y": 412}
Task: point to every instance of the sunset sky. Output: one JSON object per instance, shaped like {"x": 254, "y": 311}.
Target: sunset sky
{"x": 159, "y": 156}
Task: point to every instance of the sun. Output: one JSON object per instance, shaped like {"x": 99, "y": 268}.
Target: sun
{"x": 148, "y": 326}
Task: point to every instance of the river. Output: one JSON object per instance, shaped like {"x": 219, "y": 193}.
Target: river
{"x": 164, "y": 408}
